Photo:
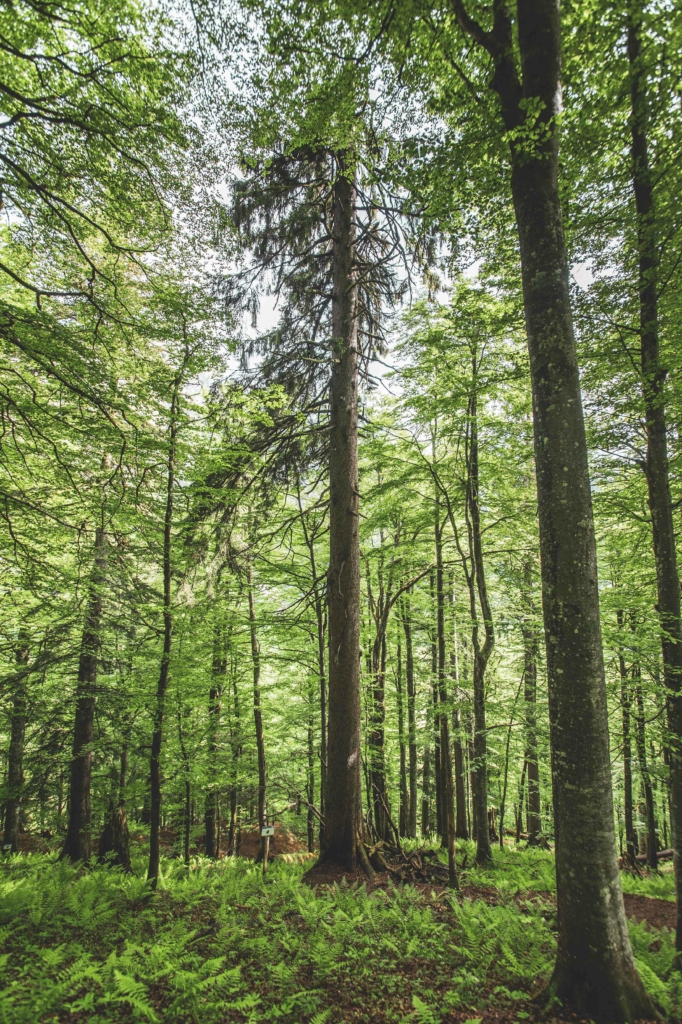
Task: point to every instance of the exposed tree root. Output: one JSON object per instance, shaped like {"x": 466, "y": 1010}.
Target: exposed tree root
{"x": 416, "y": 866}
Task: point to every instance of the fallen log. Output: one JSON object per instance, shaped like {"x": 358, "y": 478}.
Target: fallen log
{"x": 641, "y": 858}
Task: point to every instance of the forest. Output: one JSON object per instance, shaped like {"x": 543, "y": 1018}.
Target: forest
{"x": 340, "y": 502}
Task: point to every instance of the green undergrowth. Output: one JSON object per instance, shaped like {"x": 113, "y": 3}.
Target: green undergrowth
{"x": 517, "y": 869}
{"x": 218, "y": 944}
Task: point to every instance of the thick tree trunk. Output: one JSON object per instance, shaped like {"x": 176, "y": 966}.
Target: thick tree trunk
{"x": 258, "y": 719}
{"x": 78, "y": 841}
{"x": 15, "y": 754}
{"x": 595, "y": 971}
{"x": 162, "y": 685}
{"x": 630, "y": 837}
{"x": 343, "y": 796}
{"x": 411, "y": 717}
{"x": 656, "y": 466}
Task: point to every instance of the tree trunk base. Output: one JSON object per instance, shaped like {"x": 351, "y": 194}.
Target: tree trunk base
{"x": 620, "y": 999}
{"x": 114, "y": 843}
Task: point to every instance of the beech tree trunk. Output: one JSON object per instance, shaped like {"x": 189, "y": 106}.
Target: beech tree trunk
{"x": 404, "y": 814}
{"x": 437, "y": 765}
{"x": 343, "y": 799}
{"x": 447, "y": 787}
{"x": 78, "y": 841}
{"x": 258, "y": 719}
{"x": 650, "y": 812}
{"x": 522, "y": 798}
{"x": 236, "y": 747}
{"x": 460, "y": 782}
{"x": 595, "y": 971}
{"x": 483, "y": 651}
{"x": 656, "y": 465}
{"x": 219, "y": 669}
{"x": 310, "y": 780}
{"x": 15, "y": 754}
{"x": 426, "y": 792}
{"x": 461, "y": 830}
{"x": 534, "y": 823}
{"x": 411, "y": 717}
{"x": 162, "y": 685}
{"x": 630, "y": 836}
{"x": 377, "y": 731}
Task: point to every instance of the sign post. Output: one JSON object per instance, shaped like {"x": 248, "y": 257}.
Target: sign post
{"x": 266, "y": 831}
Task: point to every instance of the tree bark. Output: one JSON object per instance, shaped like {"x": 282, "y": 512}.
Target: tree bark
{"x": 219, "y": 669}
{"x": 236, "y": 747}
{"x": 78, "y": 841}
{"x": 482, "y": 652}
{"x": 656, "y": 464}
{"x": 651, "y": 840}
{"x": 310, "y": 780}
{"x": 522, "y": 798}
{"x": 404, "y": 813}
{"x": 376, "y": 748}
{"x": 258, "y": 718}
{"x": 447, "y": 788}
{"x": 460, "y": 782}
{"x": 630, "y": 837}
{"x": 343, "y": 798}
{"x": 595, "y": 971}
{"x": 437, "y": 765}
{"x": 426, "y": 792}
{"x": 15, "y": 754}
{"x": 461, "y": 830}
{"x": 411, "y": 716}
{"x": 530, "y": 649}
{"x": 162, "y": 685}
{"x": 309, "y": 536}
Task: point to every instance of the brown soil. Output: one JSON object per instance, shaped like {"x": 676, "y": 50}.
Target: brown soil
{"x": 657, "y": 913}
{"x": 282, "y": 842}
{"x": 333, "y": 874}
{"x": 31, "y": 842}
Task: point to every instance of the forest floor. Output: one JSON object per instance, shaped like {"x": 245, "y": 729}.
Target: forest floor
{"x": 221, "y": 944}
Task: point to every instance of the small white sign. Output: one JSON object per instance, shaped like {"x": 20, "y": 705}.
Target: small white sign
{"x": 267, "y": 830}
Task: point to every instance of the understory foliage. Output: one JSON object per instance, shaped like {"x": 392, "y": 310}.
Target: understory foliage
{"x": 172, "y": 563}
{"x": 218, "y": 943}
